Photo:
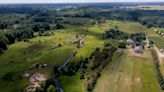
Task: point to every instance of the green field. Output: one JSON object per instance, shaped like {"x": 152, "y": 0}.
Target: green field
{"x": 130, "y": 73}
{"x": 21, "y": 55}
{"x": 159, "y": 41}
{"x": 130, "y": 27}
{"x": 160, "y": 29}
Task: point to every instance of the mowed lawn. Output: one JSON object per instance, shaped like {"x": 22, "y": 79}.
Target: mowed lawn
{"x": 129, "y": 73}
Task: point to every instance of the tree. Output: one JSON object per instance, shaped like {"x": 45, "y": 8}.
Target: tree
{"x": 59, "y": 26}
{"x": 3, "y": 42}
{"x": 51, "y": 88}
{"x": 8, "y": 77}
{"x": 122, "y": 44}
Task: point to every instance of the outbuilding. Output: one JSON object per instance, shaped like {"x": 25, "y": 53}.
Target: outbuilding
{"x": 138, "y": 49}
{"x": 129, "y": 42}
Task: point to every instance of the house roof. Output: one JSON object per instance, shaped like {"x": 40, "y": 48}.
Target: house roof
{"x": 138, "y": 49}
{"x": 129, "y": 41}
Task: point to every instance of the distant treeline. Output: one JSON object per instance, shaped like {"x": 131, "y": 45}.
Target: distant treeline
{"x": 149, "y": 18}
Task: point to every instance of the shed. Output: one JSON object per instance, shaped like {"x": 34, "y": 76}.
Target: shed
{"x": 138, "y": 49}
{"x": 129, "y": 42}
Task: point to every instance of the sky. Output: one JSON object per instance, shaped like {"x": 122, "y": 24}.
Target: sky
{"x": 73, "y": 1}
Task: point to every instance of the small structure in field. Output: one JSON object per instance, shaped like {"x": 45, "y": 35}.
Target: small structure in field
{"x": 138, "y": 49}
{"x": 129, "y": 42}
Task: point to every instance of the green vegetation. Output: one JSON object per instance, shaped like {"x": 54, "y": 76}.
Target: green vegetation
{"x": 158, "y": 41}
{"x": 129, "y": 73}
{"x": 76, "y": 48}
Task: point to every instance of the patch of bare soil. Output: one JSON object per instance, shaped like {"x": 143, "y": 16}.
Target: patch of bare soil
{"x": 35, "y": 81}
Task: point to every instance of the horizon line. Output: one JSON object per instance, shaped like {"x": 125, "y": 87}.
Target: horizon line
{"x": 81, "y": 2}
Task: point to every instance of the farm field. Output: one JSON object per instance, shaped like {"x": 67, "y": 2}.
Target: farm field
{"x": 131, "y": 75}
{"x": 81, "y": 47}
{"x": 160, "y": 29}
{"x": 130, "y": 27}
{"x": 158, "y": 41}
{"x": 21, "y": 55}
{"x": 93, "y": 40}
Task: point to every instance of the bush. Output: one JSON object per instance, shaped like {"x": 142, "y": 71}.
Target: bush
{"x": 122, "y": 44}
{"x": 9, "y": 76}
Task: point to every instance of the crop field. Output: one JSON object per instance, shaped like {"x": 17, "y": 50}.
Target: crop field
{"x": 130, "y": 27}
{"x": 131, "y": 75}
{"x": 160, "y": 29}
{"x": 158, "y": 41}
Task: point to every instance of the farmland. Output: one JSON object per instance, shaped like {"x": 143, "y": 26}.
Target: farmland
{"x": 128, "y": 67}
{"x": 131, "y": 75}
{"x": 79, "y": 48}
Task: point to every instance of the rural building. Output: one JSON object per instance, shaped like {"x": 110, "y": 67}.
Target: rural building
{"x": 129, "y": 42}
{"x": 138, "y": 49}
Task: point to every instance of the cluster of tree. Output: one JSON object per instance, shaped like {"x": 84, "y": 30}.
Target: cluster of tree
{"x": 104, "y": 56}
{"x": 73, "y": 67}
{"x": 59, "y": 26}
{"x": 115, "y": 33}
{"x": 40, "y": 27}
{"x": 138, "y": 37}
{"x": 45, "y": 33}
{"x": 3, "y": 25}
{"x": 19, "y": 23}
{"x": 100, "y": 58}
{"x": 121, "y": 44}
{"x": 152, "y": 21}
{"x": 11, "y": 76}
{"x": 149, "y": 18}
{"x": 9, "y": 20}
{"x": 92, "y": 81}
{"x": 31, "y": 10}
{"x": 9, "y": 37}
{"x": 3, "y": 43}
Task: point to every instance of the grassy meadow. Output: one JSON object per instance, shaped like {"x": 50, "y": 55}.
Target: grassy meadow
{"x": 129, "y": 73}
